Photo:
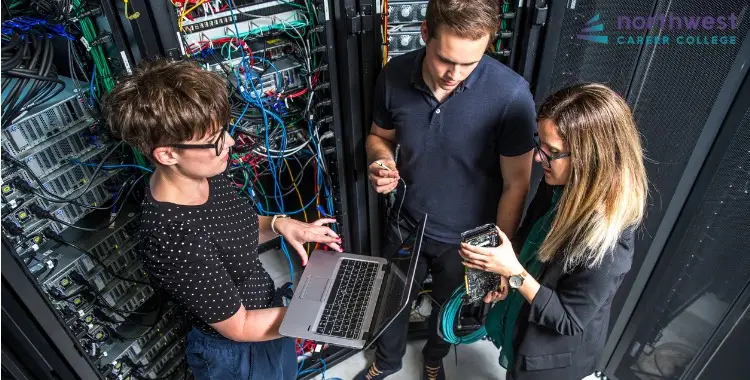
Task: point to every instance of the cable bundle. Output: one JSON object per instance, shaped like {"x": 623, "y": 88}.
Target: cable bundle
{"x": 29, "y": 77}
{"x": 447, "y": 320}
{"x": 272, "y": 126}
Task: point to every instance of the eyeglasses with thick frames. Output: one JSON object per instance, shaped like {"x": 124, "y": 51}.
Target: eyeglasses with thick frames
{"x": 547, "y": 159}
{"x": 218, "y": 145}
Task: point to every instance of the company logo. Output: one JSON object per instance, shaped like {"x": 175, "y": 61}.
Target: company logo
{"x": 672, "y": 29}
{"x": 593, "y": 25}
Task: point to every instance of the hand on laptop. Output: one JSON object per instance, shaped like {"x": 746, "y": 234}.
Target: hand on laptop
{"x": 298, "y": 233}
{"x": 383, "y": 176}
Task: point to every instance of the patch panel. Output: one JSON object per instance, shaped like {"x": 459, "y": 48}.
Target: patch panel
{"x": 253, "y": 18}
{"x": 59, "y": 150}
{"x": 270, "y": 48}
{"x": 406, "y": 12}
{"x": 45, "y": 121}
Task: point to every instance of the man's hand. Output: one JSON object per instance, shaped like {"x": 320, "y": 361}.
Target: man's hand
{"x": 500, "y": 294}
{"x": 384, "y": 180}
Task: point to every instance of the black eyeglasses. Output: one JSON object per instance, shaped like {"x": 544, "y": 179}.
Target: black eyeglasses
{"x": 546, "y": 159}
{"x": 218, "y": 145}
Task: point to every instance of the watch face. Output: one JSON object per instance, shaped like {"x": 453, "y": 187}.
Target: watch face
{"x": 515, "y": 281}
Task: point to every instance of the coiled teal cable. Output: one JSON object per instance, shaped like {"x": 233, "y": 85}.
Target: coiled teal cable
{"x": 447, "y": 318}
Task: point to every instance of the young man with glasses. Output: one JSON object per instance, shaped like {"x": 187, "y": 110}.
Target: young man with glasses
{"x": 465, "y": 124}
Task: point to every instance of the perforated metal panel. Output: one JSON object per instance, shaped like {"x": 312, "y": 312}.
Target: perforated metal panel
{"x": 673, "y": 92}
{"x": 711, "y": 268}
{"x": 578, "y": 60}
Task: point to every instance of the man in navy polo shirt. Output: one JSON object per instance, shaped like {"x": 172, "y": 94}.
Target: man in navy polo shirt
{"x": 465, "y": 125}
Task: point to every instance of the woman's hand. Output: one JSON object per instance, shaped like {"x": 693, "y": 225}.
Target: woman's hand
{"x": 501, "y": 259}
{"x": 298, "y": 233}
{"x": 500, "y": 294}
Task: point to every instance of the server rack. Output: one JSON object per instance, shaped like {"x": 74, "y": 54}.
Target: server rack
{"x": 85, "y": 294}
{"x": 688, "y": 102}
{"x": 541, "y": 48}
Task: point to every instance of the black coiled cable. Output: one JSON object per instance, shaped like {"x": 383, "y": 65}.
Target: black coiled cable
{"x": 28, "y": 70}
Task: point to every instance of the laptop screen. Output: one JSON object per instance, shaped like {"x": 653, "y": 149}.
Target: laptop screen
{"x": 396, "y": 293}
{"x": 407, "y": 256}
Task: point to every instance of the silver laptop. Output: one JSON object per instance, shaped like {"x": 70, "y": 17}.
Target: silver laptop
{"x": 349, "y": 300}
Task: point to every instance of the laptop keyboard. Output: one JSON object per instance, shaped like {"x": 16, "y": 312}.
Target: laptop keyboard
{"x": 347, "y": 302}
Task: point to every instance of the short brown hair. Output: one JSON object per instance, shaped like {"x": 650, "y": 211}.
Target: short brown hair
{"x": 472, "y": 19}
{"x": 166, "y": 102}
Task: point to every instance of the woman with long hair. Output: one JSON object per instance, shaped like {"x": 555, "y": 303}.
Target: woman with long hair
{"x": 576, "y": 242}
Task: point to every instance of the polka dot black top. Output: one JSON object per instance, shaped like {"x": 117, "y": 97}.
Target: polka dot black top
{"x": 206, "y": 256}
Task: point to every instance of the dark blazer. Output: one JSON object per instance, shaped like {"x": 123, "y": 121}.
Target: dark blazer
{"x": 560, "y": 335}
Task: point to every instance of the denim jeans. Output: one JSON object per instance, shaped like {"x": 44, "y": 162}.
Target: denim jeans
{"x": 217, "y": 358}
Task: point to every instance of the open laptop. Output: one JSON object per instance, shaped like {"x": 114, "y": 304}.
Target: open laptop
{"x": 349, "y": 300}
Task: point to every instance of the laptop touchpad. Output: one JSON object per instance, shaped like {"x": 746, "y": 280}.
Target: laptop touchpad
{"x": 315, "y": 288}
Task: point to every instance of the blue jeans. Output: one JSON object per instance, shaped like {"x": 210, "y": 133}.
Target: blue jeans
{"x": 217, "y": 358}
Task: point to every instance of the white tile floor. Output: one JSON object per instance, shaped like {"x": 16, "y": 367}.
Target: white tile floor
{"x": 475, "y": 361}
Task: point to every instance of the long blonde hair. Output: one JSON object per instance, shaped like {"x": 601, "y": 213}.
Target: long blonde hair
{"x": 607, "y": 189}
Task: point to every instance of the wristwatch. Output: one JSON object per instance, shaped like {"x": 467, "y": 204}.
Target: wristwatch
{"x": 515, "y": 281}
{"x": 273, "y": 221}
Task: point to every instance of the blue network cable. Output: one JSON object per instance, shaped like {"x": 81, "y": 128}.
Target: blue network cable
{"x": 91, "y": 87}
{"x": 76, "y": 162}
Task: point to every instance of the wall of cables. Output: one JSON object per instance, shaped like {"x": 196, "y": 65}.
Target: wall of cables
{"x": 71, "y": 193}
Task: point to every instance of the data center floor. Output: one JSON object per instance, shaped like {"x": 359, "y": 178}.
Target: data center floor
{"x": 475, "y": 361}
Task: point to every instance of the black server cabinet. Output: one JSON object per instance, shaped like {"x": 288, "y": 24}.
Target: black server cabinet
{"x": 685, "y": 324}
{"x": 685, "y": 99}
{"x": 39, "y": 333}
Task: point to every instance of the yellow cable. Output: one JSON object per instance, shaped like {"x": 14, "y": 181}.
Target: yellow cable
{"x": 187, "y": 12}
{"x": 301, "y": 202}
{"x": 131, "y": 16}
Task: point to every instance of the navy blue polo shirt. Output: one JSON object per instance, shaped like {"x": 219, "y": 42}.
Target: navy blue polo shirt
{"x": 450, "y": 151}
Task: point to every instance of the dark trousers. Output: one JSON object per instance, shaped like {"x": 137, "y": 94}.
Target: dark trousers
{"x": 444, "y": 263}
{"x": 214, "y": 357}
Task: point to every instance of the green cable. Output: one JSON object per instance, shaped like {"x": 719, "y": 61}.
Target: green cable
{"x": 104, "y": 80}
{"x": 447, "y": 319}
{"x": 292, "y": 4}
